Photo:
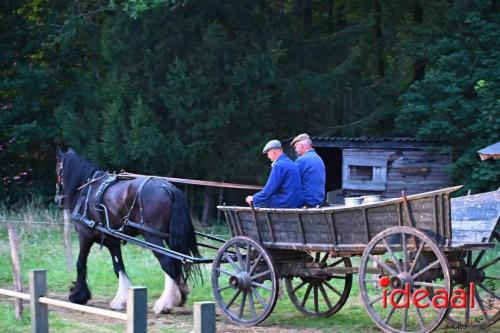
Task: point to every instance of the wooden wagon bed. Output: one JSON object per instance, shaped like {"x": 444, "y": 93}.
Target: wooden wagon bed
{"x": 347, "y": 230}
{"x": 427, "y": 242}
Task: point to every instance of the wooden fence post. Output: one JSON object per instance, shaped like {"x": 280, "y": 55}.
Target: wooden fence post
{"x": 137, "y": 307}
{"x": 204, "y": 317}
{"x": 16, "y": 270}
{"x": 39, "y": 311}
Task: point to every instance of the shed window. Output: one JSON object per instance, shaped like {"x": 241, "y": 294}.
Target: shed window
{"x": 361, "y": 171}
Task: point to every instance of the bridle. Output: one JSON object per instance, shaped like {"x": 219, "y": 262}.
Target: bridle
{"x": 59, "y": 197}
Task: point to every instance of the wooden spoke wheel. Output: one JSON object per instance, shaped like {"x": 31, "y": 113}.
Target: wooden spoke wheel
{"x": 412, "y": 261}
{"x": 244, "y": 281}
{"x": 321, "y": 296}
{"x": 482, "y": 269}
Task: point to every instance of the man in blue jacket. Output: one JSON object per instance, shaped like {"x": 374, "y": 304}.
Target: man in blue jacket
{"x": 283, "y": 188}
{"x": 312, "y": 171}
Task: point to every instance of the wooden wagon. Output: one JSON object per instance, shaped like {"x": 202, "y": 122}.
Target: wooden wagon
{"x": 419, "y": 245}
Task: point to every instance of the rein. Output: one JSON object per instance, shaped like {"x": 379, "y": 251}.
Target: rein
{"x": 92, "y": 181}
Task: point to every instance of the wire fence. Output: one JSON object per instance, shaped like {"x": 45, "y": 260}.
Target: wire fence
{"x": 30, "y": 222}
{"x": 35, "y": 223}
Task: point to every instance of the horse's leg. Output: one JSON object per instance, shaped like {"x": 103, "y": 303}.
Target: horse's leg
{"x": 120, "y": 300}
{"x": 172, "y": 295}
{"x": 80, "y": 292}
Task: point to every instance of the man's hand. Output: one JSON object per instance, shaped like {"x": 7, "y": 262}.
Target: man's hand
{"x": 249, "y": 200}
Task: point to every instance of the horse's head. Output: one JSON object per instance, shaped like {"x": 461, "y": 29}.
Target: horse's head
{"x": 59, "y": 197}
{"x": 72, "y": 171}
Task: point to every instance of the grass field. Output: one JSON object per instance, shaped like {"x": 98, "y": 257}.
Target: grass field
{"x": 41, "y": 246}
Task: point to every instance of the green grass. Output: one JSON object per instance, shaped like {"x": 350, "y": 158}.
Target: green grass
{"x": 42, "y": 247}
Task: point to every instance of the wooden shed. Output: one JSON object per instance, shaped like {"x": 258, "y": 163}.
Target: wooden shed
{"x": 379, "y": 165}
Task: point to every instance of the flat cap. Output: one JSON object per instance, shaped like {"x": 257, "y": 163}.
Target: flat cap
{"x": 300, "y": 137}
{"x": 273, "y": 144}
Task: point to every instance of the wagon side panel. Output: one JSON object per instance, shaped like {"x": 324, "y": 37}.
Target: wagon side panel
{"x": 350, "y": 226}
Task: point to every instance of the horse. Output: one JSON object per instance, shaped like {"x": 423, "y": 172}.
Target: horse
{"x": 161, "y": 208}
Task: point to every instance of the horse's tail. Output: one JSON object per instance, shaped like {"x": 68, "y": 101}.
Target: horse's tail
{"x": 181, "y": 231}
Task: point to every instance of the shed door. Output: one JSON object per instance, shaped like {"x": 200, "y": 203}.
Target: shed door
{"x": 332, "y": 157}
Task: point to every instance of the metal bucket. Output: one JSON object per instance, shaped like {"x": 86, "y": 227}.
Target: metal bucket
{"x": 371, "y": 198}
{"x": 352, "y": 201}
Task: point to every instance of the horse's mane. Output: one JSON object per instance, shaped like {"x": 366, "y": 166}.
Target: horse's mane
{"x": 77, "y": 171}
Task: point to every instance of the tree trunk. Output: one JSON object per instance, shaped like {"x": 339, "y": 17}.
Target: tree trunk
{"x": 307, "y": 14}
{"x": 208, "y": 204}
{"x": 418, "y": 64}
{"x": 330, "y": 16}
{"x": 304, "y": 12}
{"x": 379, "y": 40}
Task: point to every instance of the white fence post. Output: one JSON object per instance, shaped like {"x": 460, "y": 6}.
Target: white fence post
{"x": 204, "y": 317}
{"x": 137, "y": 307}
{"x": 39, "y": 311}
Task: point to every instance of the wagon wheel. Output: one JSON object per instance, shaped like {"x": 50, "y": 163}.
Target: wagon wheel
{"x": 244, "y": 282}
{"x": 321, "y": 296}
{"x": 411, "y": 260}
{"x": 480, "y": 268}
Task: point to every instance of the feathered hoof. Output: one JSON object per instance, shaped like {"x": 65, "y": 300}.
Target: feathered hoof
{"x": 79, "y": 294}
{"x": 159, "y": 308}
{"x": 117, "y": 304}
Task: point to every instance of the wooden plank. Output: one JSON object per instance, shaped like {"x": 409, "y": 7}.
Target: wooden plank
{"x": 331, "y": 223}
{"x": 83, "y": 308}
{"x": 15, "y": 294}
{"x": 301, "y": 229}
{"x": 415, "y": 171}
{"x": 367, "y": 228}
{"x": 474, "y": 217}
{"x": 256, "y": 225}
{"x": 270, "y": 226}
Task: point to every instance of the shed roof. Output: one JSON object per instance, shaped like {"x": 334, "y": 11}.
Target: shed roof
{"x": 367, "y": 142}
{"x": 492, "y": 151}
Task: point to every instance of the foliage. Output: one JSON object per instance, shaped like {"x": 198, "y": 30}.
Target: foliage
{"x": 195, "y": 88}
{"x": 458, "y": 102}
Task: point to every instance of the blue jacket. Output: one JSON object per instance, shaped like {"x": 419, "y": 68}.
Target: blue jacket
{"x": 282, "y": 189}
{"x": 313, "y": 176}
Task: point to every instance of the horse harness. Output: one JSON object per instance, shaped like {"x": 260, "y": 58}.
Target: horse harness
{"x": 99, "y": 205}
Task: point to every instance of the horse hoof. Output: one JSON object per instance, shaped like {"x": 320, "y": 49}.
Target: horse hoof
{"x": 117, "y": 305}
{"x": 80, "y": 296}
{"x": 161, "y": 309}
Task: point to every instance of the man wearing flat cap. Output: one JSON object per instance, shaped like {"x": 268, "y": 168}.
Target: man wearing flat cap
{"x": 312, "y": 171}
{"x": 283, "y": 188}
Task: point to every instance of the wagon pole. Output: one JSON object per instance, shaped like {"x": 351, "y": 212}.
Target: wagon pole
{"x": 196, "y": 182}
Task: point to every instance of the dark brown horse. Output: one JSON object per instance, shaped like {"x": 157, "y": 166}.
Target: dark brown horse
{"x": 156, "y": 204}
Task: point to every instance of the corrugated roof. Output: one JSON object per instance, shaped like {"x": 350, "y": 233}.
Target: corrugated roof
{"x": 369, "y": 142}
{"x": 367, "y": 139}
{"x": 362, "y": 139}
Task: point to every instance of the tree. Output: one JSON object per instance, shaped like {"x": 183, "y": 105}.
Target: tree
{"x": 457, "y": 103}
